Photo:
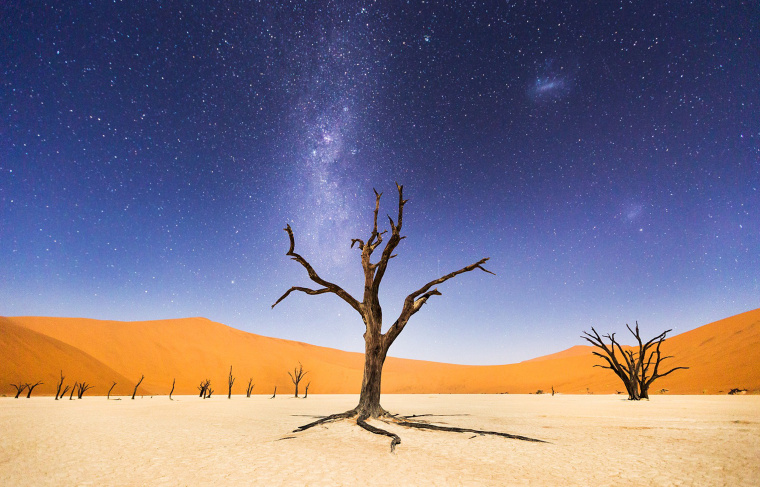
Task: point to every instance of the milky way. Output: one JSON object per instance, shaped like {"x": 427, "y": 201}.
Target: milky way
{"x": 605, "y": 157}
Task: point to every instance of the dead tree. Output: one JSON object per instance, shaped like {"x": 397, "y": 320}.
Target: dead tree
{"x": 376, "y": 343}
{"x": 209, "y": 391}
{"x": 58, "y": 388}
{"x": 297, "y": 375}
{"x": 306, "y": 393}
{"x": 108, "y": 396}
{"x": 637, "y": 368}
{"x": 30, "y": 388}
{"x": 230, "y": 381}
{"x": 65, "y": 390}
{"x": 19, "y": 389}
{"x": 275, "y": 393}
{"x": 172, "y": 391}
{"x": 71, "y": 395}
{"x": 203, "y": 387}
{"x": 650, "y": 371}
{"x": 136, "y": 386}
{"x": 83, "y": 387}
{"x": 251, "y": 385}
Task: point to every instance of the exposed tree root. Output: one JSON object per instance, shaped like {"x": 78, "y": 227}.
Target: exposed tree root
{"x": 326, "y": 419}
{"x": 434, "y": 427}
{"x": 402, "y": 421}
{"x": 395, "y": 439}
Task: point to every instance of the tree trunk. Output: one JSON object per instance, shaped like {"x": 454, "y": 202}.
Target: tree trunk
{"x": 374, "y": 358}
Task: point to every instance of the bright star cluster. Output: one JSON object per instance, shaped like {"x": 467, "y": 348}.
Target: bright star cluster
{"x": 604, "y": 156}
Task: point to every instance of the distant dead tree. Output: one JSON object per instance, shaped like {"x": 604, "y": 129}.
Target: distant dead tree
{"x": 19, "y": 389}
{"x": 251, "y": 385}
{"x": 108, "y": 396}
{"x": 306, "y": 393}
{"x": 637, "y": 368}
{"x": 209, "y": 391}
{"x": 30, "y": 388}
{"x": 58, "y": 388}
{"x": 172, "y": 391}
{"x": 230, "y": 381}
{"x": 275, "y": 393}
{"x": 83, "y": 387}
{"x": 136, "y": 386}
{"x": 297, "y": 375}
{"x": 71, "y": 395}
{"x": 376, "y": 343}
{"x": 65, "y": 390}
{"x": 203, "y": 387}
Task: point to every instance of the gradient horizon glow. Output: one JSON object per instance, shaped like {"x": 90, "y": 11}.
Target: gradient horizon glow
{"x": 605, "y": 157}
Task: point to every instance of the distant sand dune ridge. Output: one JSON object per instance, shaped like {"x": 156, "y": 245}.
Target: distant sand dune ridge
{"x": 720, "y": 356}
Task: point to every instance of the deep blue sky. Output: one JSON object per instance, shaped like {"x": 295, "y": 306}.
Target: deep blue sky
{"x": 604, "y": 156}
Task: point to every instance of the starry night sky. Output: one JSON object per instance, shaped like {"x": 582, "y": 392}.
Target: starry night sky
{"x": 605, "y": 156}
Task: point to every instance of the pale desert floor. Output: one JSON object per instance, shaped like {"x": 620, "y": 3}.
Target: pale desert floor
{"x": 593, "y": 440}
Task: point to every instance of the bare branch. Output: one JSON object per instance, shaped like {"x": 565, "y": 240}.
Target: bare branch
{"x": 329, "y": 286}
{"x": 303, "y": 290}
{"x": 418, "y": 298}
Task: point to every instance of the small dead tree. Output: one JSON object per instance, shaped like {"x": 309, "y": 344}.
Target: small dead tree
{"x": 209, "y": 391}
{"x": 204, "y": 385}
{"x": 636, "y": 367}
{"x": 230, "y": 381}
{"x": 83, "y": 387}
{"x": 30, "y": 388}
{"x": 108, "y": 396}
{"x": 377, "y": 343}
{"x": 58, "y": 388}
{"x": 136, "y": 386}
{"x": 65, "y": 390}
{"x": 172, "y": 391}
{"x": 275, "y": 393}
{"x": 19, "y": 389}
{"x": 297, "y": 375}
{"x": 251, "y": 385}
{"x": 71, "y": 395}
{"x": 306, "y": 392}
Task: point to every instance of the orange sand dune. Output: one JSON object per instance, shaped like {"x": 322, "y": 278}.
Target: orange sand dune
{"x": 29, "y": 356}
{"x": 721, "y": 355}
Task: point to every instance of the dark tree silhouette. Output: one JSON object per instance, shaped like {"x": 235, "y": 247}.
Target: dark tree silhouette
{"x": 65, "y": 390}
{"x": 71, "y": 395}
{"x": 138, "y": 385}
{"x": 251, "y": 385}
{"x": 30, "y": 388}
{"x": 172, "y": 391}
{"x": 58, "y": 388}
{"x": 306, "y": 392}
{"x": 19, "y": 389}
{"x": 83, "y": 387}
{"x": 205, "y": 389}
{"x": 376, "y": 343}
{"x": 637, "y": 368}
{"x": 297, "y": 375}
{"x": 230, "y": 381}
{"x": 275, "y": 393}
{"x": 108, "y": 396}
